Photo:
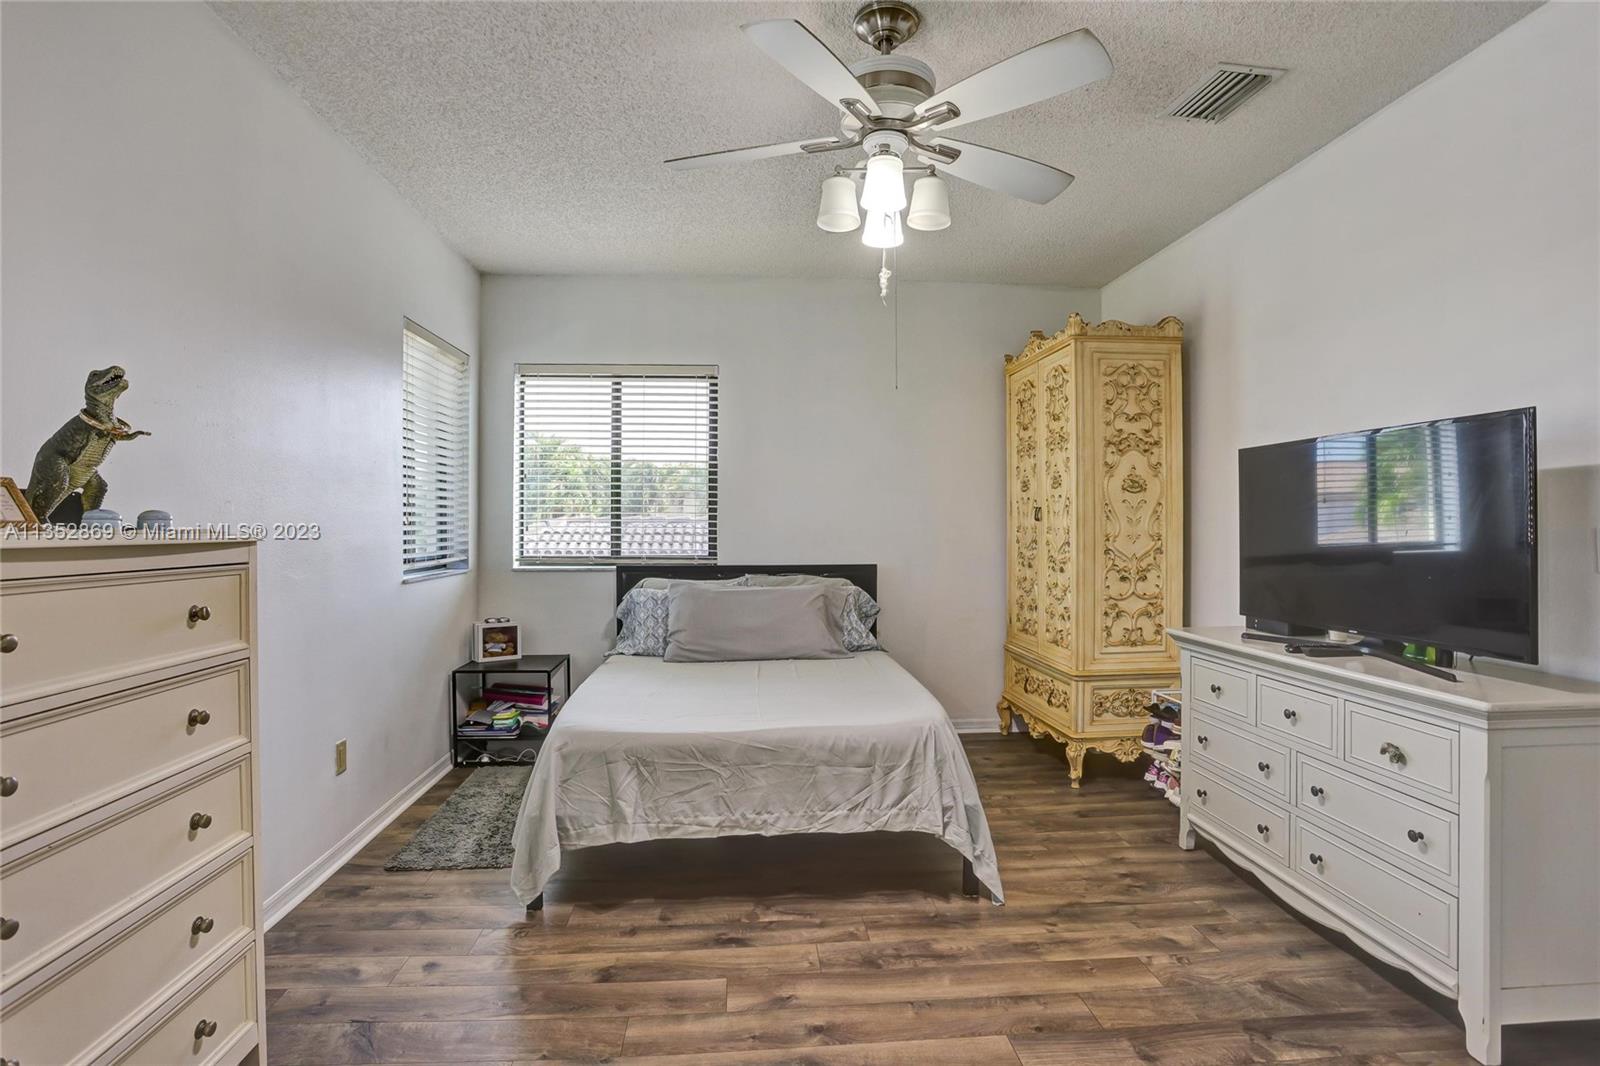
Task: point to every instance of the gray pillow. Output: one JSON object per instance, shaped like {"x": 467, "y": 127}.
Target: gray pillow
{"x": 853, "y": 610}
{"x": 642, "y": 622}
{"x": 662, "y": 582}
{"x": 727, "y": 624}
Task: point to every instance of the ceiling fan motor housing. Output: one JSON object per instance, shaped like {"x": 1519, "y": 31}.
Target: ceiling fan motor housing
{"x": 897, "y": 83}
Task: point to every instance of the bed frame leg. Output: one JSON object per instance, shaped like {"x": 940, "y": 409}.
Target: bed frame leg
{"x": 537, "y": 904}
{"x": 969, "y": 880}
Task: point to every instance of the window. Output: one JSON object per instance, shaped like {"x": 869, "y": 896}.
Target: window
{"x": 615, "y": 464}
{"x": 1398, "y": 487}
{"x": 435, "y": 425}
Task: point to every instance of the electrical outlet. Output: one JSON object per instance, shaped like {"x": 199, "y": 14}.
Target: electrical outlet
{"x": 341, "y": 761}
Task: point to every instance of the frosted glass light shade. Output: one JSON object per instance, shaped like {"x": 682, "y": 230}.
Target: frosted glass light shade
{"x": 837, "y": 212}
{"x": 885, "y": 187}
{"x": 930, "y": 204}
{"x": 882, "y": 230}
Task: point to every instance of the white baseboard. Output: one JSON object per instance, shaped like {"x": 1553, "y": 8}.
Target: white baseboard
{"x": 989, "y": 724}
{"x": 307, "y": 881}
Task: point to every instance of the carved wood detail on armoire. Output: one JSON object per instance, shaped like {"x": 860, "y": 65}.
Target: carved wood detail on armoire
{"x": 1094, "y": 532}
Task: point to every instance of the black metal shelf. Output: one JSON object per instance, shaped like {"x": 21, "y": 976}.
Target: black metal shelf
{"x": 478, "y": 676}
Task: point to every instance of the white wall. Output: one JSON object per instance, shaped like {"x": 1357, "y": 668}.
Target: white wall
{"x": 1441, "y": 258}
{"x": 171, "y": 206}
{"x": 822, "y": 460}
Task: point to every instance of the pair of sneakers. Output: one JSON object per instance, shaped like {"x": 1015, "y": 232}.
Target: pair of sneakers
{"x": 1159, "y": 736}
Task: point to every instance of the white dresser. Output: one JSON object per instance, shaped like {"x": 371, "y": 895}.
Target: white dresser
{"x": 130, "y": 928}
{"x": 1451, "y": 829}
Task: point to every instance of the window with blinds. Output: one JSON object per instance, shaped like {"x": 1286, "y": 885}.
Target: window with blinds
{"x": 1398, "y": 487}
{"x": 615, "y": 464}
{"x": 435, "y": 456}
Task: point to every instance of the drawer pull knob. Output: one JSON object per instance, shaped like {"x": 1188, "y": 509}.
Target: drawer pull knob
{"x": 1392, "y": 750}
{"x": 1316, "y": 860}
{"x": 198, "y": 821}
{"x": 1216, "y": 690}
{"x": 1317, "y": 791}
{"x": 1200, "y": 793}
{"x": 8, "y": 786}
{"x": 198, "y": 717}
{"x": 1261, "y": 828}
{"x": 1263, "y": 767}
{"x": 1038, "y": 514}
{"x": 8, "y": 928}
{"x": 1414, "y": 835}
{"x": 205, "y": 1029}
{"x": 8, "y": 642}
{"x": 1290, "y": 714}
{"x": 198, "y": 613}
{"x": 202, "y": 924}
{"x": 1203, "y": 739}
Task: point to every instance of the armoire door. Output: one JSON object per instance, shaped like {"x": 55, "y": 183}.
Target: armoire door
{"x": 1058, "y": 427}
{"x": 1024, "y": 507}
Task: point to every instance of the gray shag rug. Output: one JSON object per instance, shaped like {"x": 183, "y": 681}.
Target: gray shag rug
{"x": 471, "y": 830}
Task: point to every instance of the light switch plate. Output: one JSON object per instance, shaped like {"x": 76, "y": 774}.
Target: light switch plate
{"x": 341, "y": 761}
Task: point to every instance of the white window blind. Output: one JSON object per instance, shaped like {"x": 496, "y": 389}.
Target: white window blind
{"x": 615, "y": 464}
{"x": 435, "y": 454}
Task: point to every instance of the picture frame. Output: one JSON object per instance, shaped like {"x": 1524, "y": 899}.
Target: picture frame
{"x": 496, "y": 641}
{"x": 14, "y": 509}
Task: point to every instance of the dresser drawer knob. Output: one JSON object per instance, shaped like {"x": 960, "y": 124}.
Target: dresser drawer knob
{"x": 202, "y": 924}
{"x": 198, "y": 821}
{"x": 1316, "y": 860}
{"x": 1200, "y": 794}
{"x": 1414, "y": 835}
{"x": 8, "y": 786}
{"x": 8, "y": 928}
{"x": 1290, "y": 714}
{"x": 8, "y": 642}
{"x": 198, "y": 613}
{"x": 1203, "y": 739}
{"x": 1263, "y": 767}
{"x": 1392, "y": 750}
{"x": 1216, "y": 690}
{"x": 1038, "y": 514}
{"x": 1261, "y": 828}
{"x": 198, "y": 717}
{"x": 205, "y": 1029}
{"x": 1317, "y": 791}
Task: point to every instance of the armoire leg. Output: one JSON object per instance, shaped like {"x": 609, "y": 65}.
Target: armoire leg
{"x": 1075, "y": 754}
{"x": 1004, "y": 709}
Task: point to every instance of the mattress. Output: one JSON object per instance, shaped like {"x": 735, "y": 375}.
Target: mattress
{"x": 651, "y": 750}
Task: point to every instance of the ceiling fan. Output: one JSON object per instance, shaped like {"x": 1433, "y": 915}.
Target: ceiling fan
{"x": 889, "y": 107}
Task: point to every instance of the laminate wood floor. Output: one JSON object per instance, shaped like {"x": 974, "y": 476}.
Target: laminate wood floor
{"x": 1114, "y": 948}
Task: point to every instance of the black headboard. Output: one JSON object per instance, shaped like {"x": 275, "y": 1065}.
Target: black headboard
{"x": 863, "y": 575}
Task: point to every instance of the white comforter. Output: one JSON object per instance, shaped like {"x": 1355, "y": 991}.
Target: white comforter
{"x": 647, "y": 750}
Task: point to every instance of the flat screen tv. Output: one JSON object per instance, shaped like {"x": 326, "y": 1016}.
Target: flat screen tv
{"x": 1421, "y": 534}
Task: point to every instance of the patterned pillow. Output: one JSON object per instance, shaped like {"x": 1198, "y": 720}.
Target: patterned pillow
{"x": 859, "y": 613}
{"x": 642, "y": 623}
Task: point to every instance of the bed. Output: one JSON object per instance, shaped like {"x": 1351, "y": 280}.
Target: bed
{"x": 651, "y": 750}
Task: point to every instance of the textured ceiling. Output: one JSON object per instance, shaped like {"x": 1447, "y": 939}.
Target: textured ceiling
{"x": 531, "y": 135}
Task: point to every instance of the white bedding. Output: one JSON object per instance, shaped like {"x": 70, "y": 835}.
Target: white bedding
{"x": 648, "y": 750}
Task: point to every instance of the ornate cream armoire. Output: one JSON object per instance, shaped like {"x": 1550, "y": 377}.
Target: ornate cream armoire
{"x": 1094, "y": 528}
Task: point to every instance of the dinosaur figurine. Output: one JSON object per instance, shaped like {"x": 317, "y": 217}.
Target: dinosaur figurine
{"x": 68, "y": 461}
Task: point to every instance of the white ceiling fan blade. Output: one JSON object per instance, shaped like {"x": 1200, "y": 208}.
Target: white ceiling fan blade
{"x": 1045, "y": 70}
{"x": 799, "y": 52}
{"x": 1003, "y": 172}
{"x": 747, "y": 155}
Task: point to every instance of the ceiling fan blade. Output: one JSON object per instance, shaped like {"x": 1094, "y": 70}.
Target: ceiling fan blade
{"x": 760, "y": 151}
{"x": 1003, "y": 172}
{"x": 799, "y": 52}
{"x": 1059, "y": 65}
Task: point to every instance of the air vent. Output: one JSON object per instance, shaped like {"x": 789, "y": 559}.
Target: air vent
{"x": 1221, "y": 92}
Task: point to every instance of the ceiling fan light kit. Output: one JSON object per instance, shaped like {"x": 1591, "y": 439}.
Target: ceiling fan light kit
{"x": 888, "y": 106}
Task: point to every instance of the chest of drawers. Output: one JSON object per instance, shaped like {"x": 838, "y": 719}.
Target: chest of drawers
{"x": 131, "y": 926}
{"x": 1448, "y": 828}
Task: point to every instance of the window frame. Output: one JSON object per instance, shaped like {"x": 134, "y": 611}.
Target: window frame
{"x": 412, "y": 571}
{"x": 617, "y": 373}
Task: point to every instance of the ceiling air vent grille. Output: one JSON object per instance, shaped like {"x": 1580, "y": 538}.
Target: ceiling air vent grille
{"x": 1221, "y": 92}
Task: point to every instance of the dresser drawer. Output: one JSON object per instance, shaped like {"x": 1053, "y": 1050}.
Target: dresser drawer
{"x": 1219, "y": 687}
{"x": 108, "y": 994}
{"x": 73, "y": 632}
{"x": 228, "y": 1000}
{"x": 1300, "y": 713}
{"x": 1405, "y": 827}
{"x": 1423, "y": 915}
{"x": 1264, "y": 826}
{"x": 1403, "y": 749}
{"x": 1253, "y": 760}
{"x": 116, "y": 745}
{"x": 63, "y": 893}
